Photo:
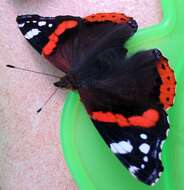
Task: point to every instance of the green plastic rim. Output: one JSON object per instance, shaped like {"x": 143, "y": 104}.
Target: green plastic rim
{"x": 90, "y": 161}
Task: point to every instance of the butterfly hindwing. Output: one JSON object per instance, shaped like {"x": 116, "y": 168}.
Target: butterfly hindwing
{"x": 119, "y": 106}
{"x": 138, "y": 81}
{"x": 135, "y": 82}
{"x": 137, "y": 147}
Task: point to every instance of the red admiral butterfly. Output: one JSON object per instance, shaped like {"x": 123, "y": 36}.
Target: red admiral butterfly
{"x": 126, "y": 97}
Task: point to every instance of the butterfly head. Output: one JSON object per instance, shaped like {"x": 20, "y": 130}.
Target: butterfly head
{"x": 68, "y": 82}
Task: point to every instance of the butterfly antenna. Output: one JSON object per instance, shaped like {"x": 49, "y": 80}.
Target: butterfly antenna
{"x": 28, "y": 70}
{"x": 46, "y": 102}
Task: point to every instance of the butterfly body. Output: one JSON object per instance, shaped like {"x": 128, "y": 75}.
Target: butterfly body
{"x": 125, "y": 97}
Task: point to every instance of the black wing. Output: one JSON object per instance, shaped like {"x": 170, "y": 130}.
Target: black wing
{"x": 129, "y": 91}
{"x": 138, "y": 148}
{"x": 68, "y": 40}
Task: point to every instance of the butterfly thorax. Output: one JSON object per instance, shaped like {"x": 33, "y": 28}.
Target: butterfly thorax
{"x": 69, "y": 81}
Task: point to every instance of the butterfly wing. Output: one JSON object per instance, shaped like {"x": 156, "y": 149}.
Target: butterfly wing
{"x": 143, "y": 78}
{"x": 127, "y": 109}
{"x": 68, "y": 40}
{"x": 138, "y": 148}
{"x": 45, "y": 33}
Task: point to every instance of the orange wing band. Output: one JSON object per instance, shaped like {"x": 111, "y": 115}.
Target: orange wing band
{"x": 54, "y": 37}
{"x": 148, "y": 119}
{"x": 112, "y": 17}
{"x": 168, "y": 86}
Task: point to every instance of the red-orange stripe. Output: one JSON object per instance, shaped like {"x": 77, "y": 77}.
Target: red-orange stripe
{"x": 113, "y": 17}
{"x": 110, "y": 118}
{"x": 54, "y": 37}
{"x": 148, "y": 119}
{"x": 168, "y": 86}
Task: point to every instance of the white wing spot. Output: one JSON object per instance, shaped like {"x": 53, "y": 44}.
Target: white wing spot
{"x": 27, "y": 21}
{"x": 144, "y": 148}
{"x": 162, "y": 143}
{"x": 167, "y": 132}
{"x": 133, "y": 170}
{"x": 123, "y": 147}
{"x": 168, "y": 119}
{"x": 50, "y": 25}
{"x": 160, "y": 155}
{"x": 159, "y": 174}
{"x": 143, "y": 136}
{"x": 156, "y": 180}
{"x": 34, "y": 21}
{"x": 21, "y": 25}
{"x": 41, "y": 23}
{"x": 35, "y": 32}
{"x": 30, "y": 34}
{"x": 142, "y": 166}
{"x": 145, "y": 158}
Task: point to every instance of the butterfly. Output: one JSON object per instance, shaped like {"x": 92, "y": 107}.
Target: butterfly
{"x": 126, "y": 97}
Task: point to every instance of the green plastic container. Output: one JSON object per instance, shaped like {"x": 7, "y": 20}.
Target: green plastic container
{"x": 90, "y": 161}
